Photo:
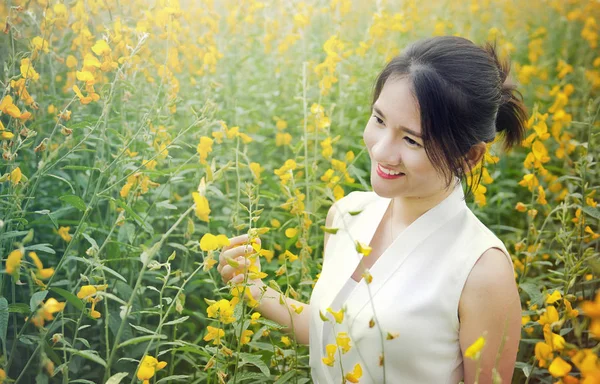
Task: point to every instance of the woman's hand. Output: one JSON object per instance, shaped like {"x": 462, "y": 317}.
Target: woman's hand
{"x": 234, "y": 263}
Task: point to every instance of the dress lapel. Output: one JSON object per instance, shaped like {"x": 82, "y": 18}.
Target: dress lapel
{"x": 403, "y": 246}
{"x": 362, "y": 228}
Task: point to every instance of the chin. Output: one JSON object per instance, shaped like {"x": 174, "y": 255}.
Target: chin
{"x": 383, "y": 190}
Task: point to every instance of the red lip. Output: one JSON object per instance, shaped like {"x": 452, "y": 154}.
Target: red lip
{"x": 385, "y": 175}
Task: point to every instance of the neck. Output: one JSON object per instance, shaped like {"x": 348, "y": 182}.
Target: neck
{"x": 405, "y": 210}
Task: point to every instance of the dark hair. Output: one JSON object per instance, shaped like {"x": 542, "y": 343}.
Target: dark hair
{"x": 464, "y": 98}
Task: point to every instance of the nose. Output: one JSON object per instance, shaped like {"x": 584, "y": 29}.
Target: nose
{"x": 386, "y": 151}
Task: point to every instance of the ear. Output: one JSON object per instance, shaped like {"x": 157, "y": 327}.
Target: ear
{"x": 475, "y": 154}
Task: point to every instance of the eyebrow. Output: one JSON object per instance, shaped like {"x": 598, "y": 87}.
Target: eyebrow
{"x": 401, "y": 126}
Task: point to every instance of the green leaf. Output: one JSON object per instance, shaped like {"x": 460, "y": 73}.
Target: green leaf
{"x": 36, "y": 300}
{"x": 101, "y": 266}
{"x": 254, "y": 377}
{"x": 87, "y": 354}
{"x": 534, "y": 293}
{"x": 71, "y": 298}
{"x": 140, "y": 339}
{"x": 173, "y": 378}
{"x": 333, "y": 231}
{"x": 19, "y": 308}
{"x": 75, "y": 201}
{"x": 177, "y": 321}
{"x": 3, "y": 319}
{"x": 286, "y": 377}
{"x": 594, "y": 212}
{"x": 41, "y": 248}
{"x": 270, "y": 324}
{"x": 136, "y": 217}
{"x": 116, "y": 378}
{"x": 63, "y": 180}
{"x": 255, "y": 360}
{"x": 80, "y": 168}
{"x": 11, "y": 234}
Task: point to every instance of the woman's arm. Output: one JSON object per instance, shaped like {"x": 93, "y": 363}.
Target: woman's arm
{"x": 490, "y": 307}
{"x": 272, "y": 305}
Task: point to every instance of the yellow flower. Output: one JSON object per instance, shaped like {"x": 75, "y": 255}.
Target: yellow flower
{"x": 286, "y": 341}
{"x": 363, "y": 248}
{"x": 343, "y": 341}
{"x": 290, "y": 256}
{"x": 330, "y": 349}
{"x": 2, "y": 375}
{"x": 530, "y": 181}
{"x": 355, "y": 375}
{"x": 7, "y": 106}
{"x": 148, "y": 367}
{"x": 254, "y": 318}
{"x": 15, "y": 176}
{"x": 569, "y": 311}
{"x": 550, "y": 316}
{"x": 208, "y": 242}
{"x": 47, "y": 311}
{"x": 543, "y": 353}
{"x": 256, "y": 170}
{"x": 214, "y": 334}
{"x": 521, "y": 207}
{"x": 553, "y": 298}
{"x": 559, "y": 367}
{"x": 64, "y": 233}
{"x": 555, "y": 341}
{"x": 27, "y": 70}
{"x": 86, "y": 292}
{"x": 338, "y": 316}
{"x": 202, "y": 209}
{"x": 282, "y": 139}
{"x": 223, "y": 310}
{"x": 246, "y": 336}
{"x": 204, "y": 148}
{"x": 13, "y": 261}
{"x": 6, "y": 135}
{"x": 42, "y": 273}
{"x": 474, "y": 349}
{"x": 39, "y": 44}
{"x": 101, "y": 48}
{"x": 338, "y": 192}
{"x": 541, "y": 196}
{"x": 86, "y": 76}
{"x": 592, "y": 310}
{"x": 291, "y": 232}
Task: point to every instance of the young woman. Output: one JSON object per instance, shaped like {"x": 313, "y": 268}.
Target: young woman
{"x": 436, "y": 279}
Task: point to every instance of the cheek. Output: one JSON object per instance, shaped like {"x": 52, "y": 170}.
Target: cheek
{"x": 419, "y": 162}
{"x": 369, "y": 137}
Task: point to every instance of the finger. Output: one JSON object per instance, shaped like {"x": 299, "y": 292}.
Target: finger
{"x": 240, "y": 269}
{"x": 227, "y": 273}
{"x": 236, "y": 241}
{"x": 234, "y": 253}
{"x": 238, "y": 279}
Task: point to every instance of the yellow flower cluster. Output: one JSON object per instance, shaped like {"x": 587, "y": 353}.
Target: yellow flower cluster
{"x": 88, "y": 293}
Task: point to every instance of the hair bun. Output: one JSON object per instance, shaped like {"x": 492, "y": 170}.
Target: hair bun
{"x": 512, "y": 114}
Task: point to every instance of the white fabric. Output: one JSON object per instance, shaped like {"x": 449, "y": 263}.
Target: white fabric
{"x": 415, "y": 291}
{"x": 337, "y": 304}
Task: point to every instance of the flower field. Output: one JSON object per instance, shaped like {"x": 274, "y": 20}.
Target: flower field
{"x": 138, "y": 136}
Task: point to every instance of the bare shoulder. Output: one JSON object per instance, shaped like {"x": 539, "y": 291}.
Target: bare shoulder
{"x": 491, "y": 283}
{"x": 490, "y": 306}
{"x": 492, "y": 271}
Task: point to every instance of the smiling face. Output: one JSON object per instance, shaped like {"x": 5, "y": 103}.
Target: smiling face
{"x": 393, "y": 139}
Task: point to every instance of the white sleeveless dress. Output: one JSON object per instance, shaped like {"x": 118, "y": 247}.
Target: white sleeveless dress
{"x": 414, "y": 295}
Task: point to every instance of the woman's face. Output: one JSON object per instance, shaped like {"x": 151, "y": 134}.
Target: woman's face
{"x": 393, "y": 139}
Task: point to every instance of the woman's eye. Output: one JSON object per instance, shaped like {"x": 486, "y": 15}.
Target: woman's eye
{"x": 411, "y": 142}
{"x": 379, "y": 121}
